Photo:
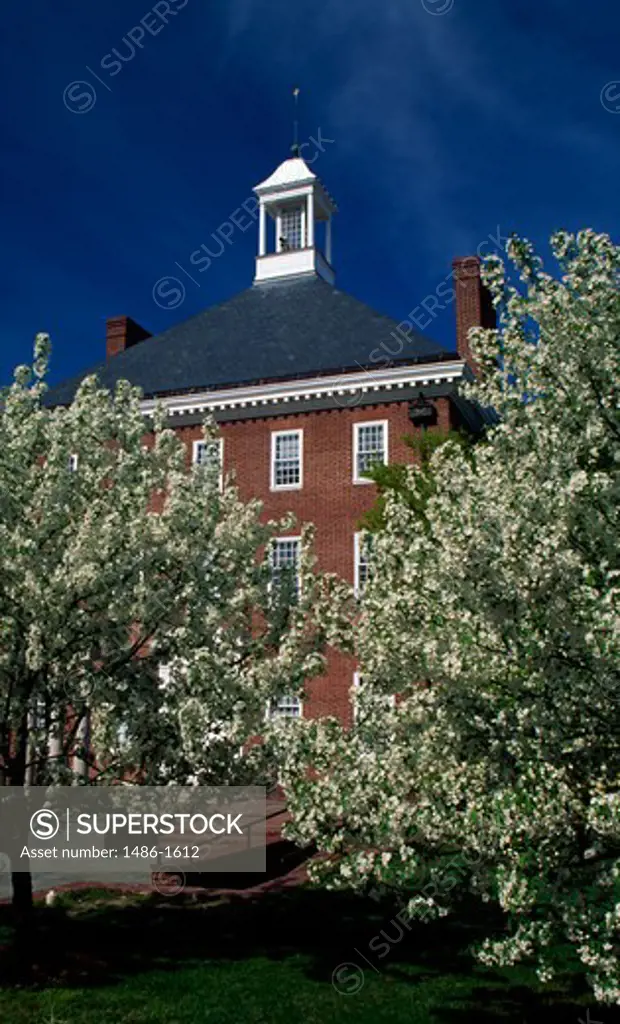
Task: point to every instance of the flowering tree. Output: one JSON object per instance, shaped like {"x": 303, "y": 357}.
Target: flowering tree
{"x": 141, "y": 633}
{"x": 493, "y": 614}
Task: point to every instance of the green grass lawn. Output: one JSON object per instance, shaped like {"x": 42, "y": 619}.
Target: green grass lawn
{"x": 261, "y": 991}
{"x": 270, "y": 960}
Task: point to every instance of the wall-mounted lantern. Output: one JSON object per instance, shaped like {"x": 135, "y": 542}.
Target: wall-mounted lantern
{"x": 422, "y": 413}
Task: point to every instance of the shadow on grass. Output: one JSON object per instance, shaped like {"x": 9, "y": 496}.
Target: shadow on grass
{"x": 99, "y": 939}
{"x": 281, "y": 857}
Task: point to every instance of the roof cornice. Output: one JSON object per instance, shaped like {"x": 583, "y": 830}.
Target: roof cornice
{"x": 279, "y": 393}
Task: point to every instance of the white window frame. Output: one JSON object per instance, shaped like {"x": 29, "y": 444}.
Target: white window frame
{"x": 357, "y": 678}
{"x": 357, "y": 562}
{"x": 354, "y": 706}
{"x": 196, "y": 445}
{"x": 73, "y": 462}
{"x": 272, "y": 479}
{"x": 357, "y": 479}
{"x": 281, "y": 540}
{"x": 38, "y": 715}
{"x": 296, "y": 215}
{"x": 274, "y": 710}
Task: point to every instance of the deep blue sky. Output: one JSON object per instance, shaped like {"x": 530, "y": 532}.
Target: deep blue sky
{"x": 444, "y": 127}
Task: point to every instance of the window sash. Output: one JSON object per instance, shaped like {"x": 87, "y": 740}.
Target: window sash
{"x": 210, "y": 455}
{"x": 291, "y": 229}
{"x": 390, "y": 698}
{"x": 285, "y": 552}
{"x": 362, "y": 550}
{"x": 286, "y": 459}
{"x": 286, "y": 706}
{"x": 370, "y": 447}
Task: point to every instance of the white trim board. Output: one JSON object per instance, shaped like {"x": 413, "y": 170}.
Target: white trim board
{"x": 329, "y": 386}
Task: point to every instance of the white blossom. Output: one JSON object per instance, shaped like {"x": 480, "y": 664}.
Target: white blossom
{"x": 135, "y": 595}
{"x": 494, "y": 615}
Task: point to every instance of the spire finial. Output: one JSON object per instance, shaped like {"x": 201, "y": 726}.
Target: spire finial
{"x": 295, "y": 146}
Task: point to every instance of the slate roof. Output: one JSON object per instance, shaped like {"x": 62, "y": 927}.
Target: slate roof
{"x": 278, "y": 330}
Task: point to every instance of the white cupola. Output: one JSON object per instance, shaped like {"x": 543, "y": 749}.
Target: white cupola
{"x": 295, "y": 224}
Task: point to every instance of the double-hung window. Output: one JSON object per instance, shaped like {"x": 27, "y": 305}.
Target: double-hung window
{"x": 210, "y": 454}
{"x": 287, "y": 459}
{"x": 362, "y": 546}
{"x": 285, "y": 563}
{"x": 284, "y": 566}
{"x": 388, "y": 701}
{"x": 285, "y": 707}
{"x": 370, "y": 447}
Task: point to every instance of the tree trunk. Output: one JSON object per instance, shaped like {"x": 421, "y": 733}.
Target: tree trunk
{"x": 21, "y": 880}
{"x": 23, "y": 953}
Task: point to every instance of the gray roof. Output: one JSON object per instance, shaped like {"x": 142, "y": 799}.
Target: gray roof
{"x": 281, "y": 330}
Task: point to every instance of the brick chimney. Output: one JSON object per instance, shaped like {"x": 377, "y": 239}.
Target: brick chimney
{"x": 122, "y": 332}
{"x": 474, "y": 307}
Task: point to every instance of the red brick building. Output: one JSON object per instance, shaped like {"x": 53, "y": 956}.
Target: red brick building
{"x": 308, "y": 386}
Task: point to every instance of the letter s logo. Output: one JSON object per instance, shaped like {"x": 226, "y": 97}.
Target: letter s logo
{"x": 168, "y": 292}
{"x": 79, "y": 97}
{"x": 44, "y": 824}
{"x": 347, "y": 979}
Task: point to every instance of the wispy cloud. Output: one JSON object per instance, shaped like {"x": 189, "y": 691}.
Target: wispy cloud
{"x": 398, "y": 69}
{"x": 403, "y": 76}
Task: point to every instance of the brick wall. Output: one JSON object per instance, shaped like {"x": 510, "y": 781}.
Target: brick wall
{"x": 474, "y": 307}
{"x": 122, "y": 332}
{"x": 329, "y": 498}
